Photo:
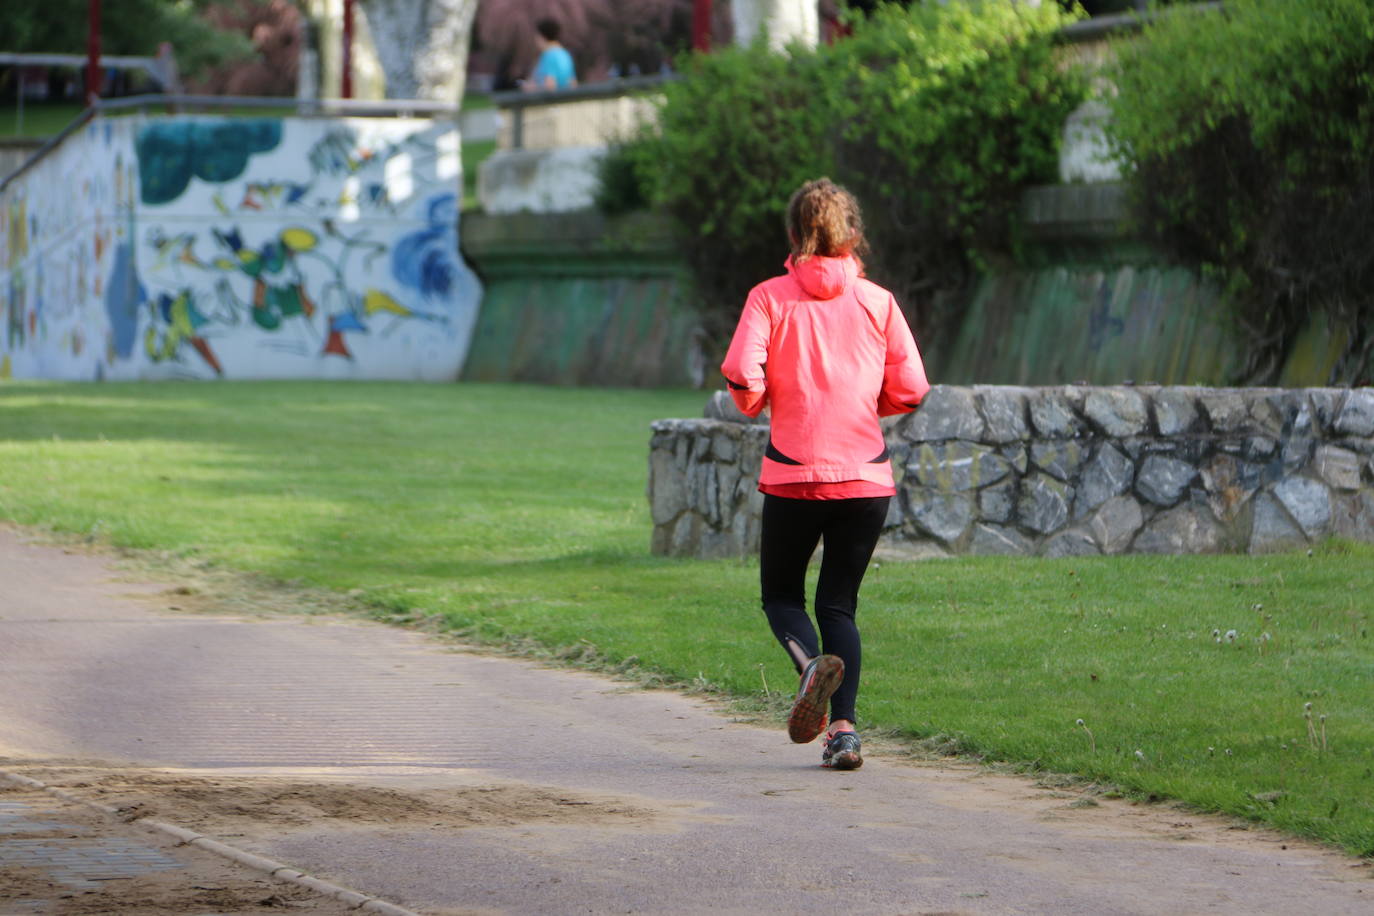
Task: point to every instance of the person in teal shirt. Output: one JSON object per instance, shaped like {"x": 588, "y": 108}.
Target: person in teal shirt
{"x": 555, "y": 67}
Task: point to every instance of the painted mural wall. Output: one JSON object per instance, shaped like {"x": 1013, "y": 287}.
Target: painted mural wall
{"x": 240, "y": 248}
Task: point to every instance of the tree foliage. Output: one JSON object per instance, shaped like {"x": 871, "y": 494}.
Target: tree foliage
{"x": 936, "y": 116}
{"x": 948, "y": 114}
{"x": 275, "y": 29}
{"x": 126, "y": 27}
{"x": 734, "y": 140}
{"x": 1247, "y": 136}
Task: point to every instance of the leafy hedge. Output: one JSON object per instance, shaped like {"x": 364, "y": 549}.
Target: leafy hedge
{"x": 935, "y": 116}
{"x": 734, "y": 139}
{"x": 949, "y": 113}
{"x": 1248, "y": 138}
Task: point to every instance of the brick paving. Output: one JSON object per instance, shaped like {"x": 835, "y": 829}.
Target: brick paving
{"x": 59, "y": 857}
{"x": 67, "y": 851}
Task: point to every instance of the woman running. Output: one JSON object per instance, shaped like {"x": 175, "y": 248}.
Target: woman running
{"x": 838, "y": 355}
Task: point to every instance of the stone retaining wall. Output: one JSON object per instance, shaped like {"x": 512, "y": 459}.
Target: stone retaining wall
{"x": 1064, "y": 471}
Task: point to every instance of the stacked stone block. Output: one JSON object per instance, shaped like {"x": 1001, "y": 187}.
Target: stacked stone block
{"x": 1065, "y": 471}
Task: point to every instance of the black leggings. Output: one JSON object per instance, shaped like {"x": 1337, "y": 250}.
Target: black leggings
{"x": 791, "y": 530}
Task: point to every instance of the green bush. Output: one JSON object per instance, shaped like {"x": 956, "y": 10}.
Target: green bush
{"x": 1247, "y": 137}
{"x": 935, "y": 116}
{"x": 619, "y": 187}
{"x": 949, "y": 113}
{"x": 734, "y": 139}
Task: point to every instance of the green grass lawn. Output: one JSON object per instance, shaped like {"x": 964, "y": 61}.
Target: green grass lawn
{"x": 516, "y": 513}
{"x": 473, "y": 152}
{"x": 40, "y": 119}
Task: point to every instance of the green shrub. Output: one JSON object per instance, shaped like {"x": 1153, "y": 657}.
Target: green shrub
{"x": 1246, "y": 135}
{"x": 935, "y": 116}
{"x": 620, "y": 187}
{"x": 949, "y": 113}
{"x": 734, "y": 139}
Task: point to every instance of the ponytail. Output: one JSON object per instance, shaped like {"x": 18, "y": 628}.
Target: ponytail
{"x": 823, "y": 219}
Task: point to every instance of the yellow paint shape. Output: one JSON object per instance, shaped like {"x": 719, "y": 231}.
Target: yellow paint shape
{"x": 297, "y": 239}
{"x": 377, "y": 301}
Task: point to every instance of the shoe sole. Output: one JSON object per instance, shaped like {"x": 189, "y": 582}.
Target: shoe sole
{"x": 808, "y": 717}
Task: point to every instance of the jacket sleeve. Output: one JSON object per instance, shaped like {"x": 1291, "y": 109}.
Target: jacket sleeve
{"x": 745, "y": 360}
{"x": 904, "y": 375}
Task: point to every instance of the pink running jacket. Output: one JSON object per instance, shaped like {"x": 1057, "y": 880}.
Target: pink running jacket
{"x": 839, "y": 355}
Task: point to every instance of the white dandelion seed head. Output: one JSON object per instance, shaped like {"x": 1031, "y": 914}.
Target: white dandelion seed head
{"x": 1228, "y": 752}
{"x": 1080, "y": 722}
{"x": 1230, "y": 635}
{"x": 1139, "y": 753}
{"x": 1307, "y": 707}
{"x": 1321, "y": 718}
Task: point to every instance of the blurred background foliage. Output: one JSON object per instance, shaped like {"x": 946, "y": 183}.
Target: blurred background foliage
{"x": 1247, "y": 136}
{"x": 935, "y": 116}
{"x": 126, "y": 27}
{"x": 1244, "y": 131}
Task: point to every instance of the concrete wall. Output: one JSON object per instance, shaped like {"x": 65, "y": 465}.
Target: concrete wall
{"x": 575, "y": 122}
{"x": 1087, "y": 304}
{"x": 548, "y": 157}
{"x": 207, "y": 247}
{"x": 1064, "y": 471}
{"x": 576, "y": 299}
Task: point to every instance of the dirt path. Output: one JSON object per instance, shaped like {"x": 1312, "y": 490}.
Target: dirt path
{"x": 350, "y": 750}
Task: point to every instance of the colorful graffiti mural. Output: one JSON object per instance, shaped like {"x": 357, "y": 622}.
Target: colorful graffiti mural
{"x": 238, "y": 248}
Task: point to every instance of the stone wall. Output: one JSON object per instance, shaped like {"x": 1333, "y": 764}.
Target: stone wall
{"x": 1064, "y": 471}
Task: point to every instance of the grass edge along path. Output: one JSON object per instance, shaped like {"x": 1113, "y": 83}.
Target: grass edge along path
{"x": 515, "y": 515}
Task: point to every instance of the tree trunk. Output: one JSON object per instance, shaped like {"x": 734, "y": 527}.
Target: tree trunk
{"x": 422, "y": 46}
{"x": 785, "y": 22}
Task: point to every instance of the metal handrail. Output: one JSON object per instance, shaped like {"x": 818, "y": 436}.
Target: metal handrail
{"x": 38, "y": 59}
{"x": 1099, "y": 27}
{"x": 48, "y": 146}
{"x": 606, "y": 89}
{"x": 358, "y": 107}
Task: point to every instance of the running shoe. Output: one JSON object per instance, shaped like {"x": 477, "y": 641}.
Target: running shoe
{"x": 818, "y": 681}
{"x": 842, "y": 752}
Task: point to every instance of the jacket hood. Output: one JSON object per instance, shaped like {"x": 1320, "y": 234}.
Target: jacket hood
{"x": 824, "y": 278}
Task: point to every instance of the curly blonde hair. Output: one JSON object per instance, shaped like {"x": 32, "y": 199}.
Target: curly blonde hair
{"x": 823, "y": 219}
